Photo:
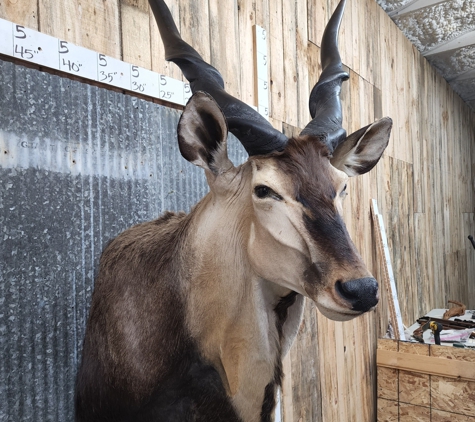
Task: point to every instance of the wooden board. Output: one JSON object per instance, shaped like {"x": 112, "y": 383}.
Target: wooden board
{"x": 427, "y": 365}
{"x": 435, "y": 383}
{"x": 94, "y": 24}
{"x": 424, "y": 182}
{"x": 136, "y": 44}
{"x": 21, "y": 12}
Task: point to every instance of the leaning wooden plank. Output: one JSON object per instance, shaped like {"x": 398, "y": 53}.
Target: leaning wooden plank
{"x": 276, "y": 63}
{"x": 426, "y": 365}
{"x": 395, "y": 311}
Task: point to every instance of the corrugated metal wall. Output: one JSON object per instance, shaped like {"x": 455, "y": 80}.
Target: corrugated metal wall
{"x": 78, "y": 165}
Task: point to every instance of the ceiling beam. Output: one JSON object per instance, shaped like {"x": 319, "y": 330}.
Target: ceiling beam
{"x": 413, "y": 6}
{"x": 469, "y": 74}
{"x": 469, "y": 98}
{"x": 463, "y": 40}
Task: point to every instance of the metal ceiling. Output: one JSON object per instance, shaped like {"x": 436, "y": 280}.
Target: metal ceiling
{"x": 444, "y": 32}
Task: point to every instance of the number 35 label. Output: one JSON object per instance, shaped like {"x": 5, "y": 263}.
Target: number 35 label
{"x": 113, "y": 72}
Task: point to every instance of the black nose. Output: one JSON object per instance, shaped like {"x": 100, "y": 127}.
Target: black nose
{"x": 362, "y": 293}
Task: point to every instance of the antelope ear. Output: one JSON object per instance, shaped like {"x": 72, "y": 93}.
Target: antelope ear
{"x": 202, "y": 133}
{"x": 361, "y": 150}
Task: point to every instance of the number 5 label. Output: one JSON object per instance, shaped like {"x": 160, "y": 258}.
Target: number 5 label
{"x": 35, "y": 47}
{"x": 113, "y": 72}
{"x": 144, "y": 81}
{"x": 77, "y": 60}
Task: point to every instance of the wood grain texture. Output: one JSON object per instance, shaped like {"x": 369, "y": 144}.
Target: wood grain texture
{"x": 424, "y": 183}
{"x": 23, "y": 12}
{"x": 442, "y": 416}
{"x": 411, "y": 413}
{"x": 141, "y": 5}
{"x": 225, "y": 48}
{"x": 388, "y": 378}
{"x": 136, "y": 47}
{"x": 289, "y": 38}
{"x": 93, "y": 24}
{"x": 388, "y": 411}
{"x": 427, "y": 365}
{"x": 414, "y": 388}
{"x": 159, "y": 64}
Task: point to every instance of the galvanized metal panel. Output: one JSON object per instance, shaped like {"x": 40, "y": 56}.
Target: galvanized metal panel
{"x": 78, "y": 165}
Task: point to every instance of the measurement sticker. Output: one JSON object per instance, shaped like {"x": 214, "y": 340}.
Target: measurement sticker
{"x": 144, "y": 81}
{"x": 263, "y": 111}
{"x": 113, "y": 72}
{"x": 261, "y": 40}
{"x": 35, "y": 47}
{"x": 262, "y": 64}
{"x": 186, "y": 93}
{"x": 77, "y": 60}
{"x": 171, "y": 90}
{"x": 6, "y": 37}
{"x": 263, "y": 92}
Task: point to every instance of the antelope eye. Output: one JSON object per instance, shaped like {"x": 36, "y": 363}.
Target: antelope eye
{"x": 262, "y": 191}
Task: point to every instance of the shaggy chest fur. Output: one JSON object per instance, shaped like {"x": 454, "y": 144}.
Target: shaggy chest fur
{"x": 141, "y": 360}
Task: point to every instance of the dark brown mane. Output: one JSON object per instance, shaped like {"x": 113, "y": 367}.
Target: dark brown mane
{"x": 306, "y": 160}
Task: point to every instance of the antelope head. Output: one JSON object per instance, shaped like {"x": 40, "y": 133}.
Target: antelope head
{"x": 292, "y": 190}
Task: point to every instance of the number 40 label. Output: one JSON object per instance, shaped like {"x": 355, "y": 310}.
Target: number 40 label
{"x": 77, "y": 60}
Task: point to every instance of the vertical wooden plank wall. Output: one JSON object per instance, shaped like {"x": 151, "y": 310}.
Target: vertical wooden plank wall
{"x": 424, "y": 183}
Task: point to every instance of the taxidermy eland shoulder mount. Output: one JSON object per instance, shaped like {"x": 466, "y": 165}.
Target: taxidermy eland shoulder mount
{"x": 192, "y": 313}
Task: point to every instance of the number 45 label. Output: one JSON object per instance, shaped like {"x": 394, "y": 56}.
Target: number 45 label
{"x": 35, "y": 47}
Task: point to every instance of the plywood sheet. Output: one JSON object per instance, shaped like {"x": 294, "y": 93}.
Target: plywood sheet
{"x": 424, "y": 183}
{"x": 411, "y": 413}
{"x": 414, "y": 388}
{"x": 388, "y": 379}
{"x": 441, "y": 416}
{"x": 388, "y": 411}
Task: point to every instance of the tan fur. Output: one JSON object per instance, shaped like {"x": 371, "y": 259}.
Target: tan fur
{"x": 232, "y": 287}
